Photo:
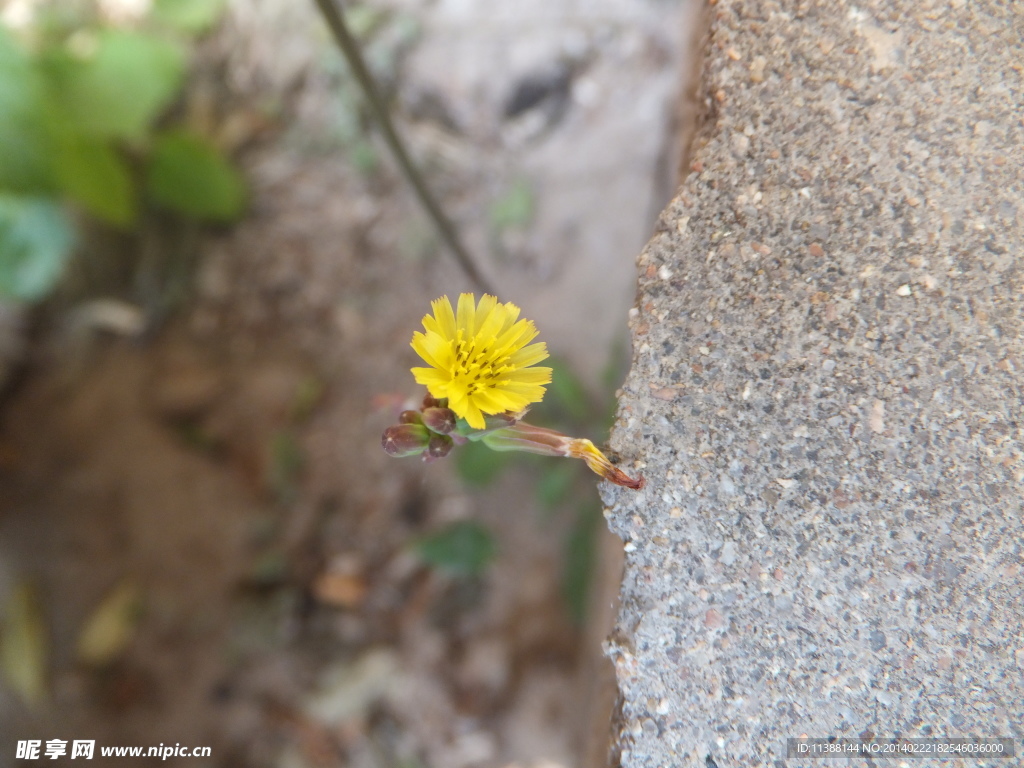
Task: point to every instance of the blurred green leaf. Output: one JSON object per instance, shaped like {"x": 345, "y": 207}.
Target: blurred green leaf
{"x": 190, "y": 175}
{"x": 363, "y": 20}
{"x": 35, "y": 243}
{"x": 464, "y": 548}
{"x": 579, "y": 559}
{"x": 364, "y": 157}
{"x": 24, "y": 646}
{"x": 556, "y": 479}
{"x": 618, "y": 364}
{"x": 478, "y": 465}
{"x": 110, "y": 627}
{"x": 119, "y": 90}
{"x": 196, "y": 437}
{"x": 269, "y": 570}
{"x": 24, "y": 140}
{"x": 192, "y": 16}
{"x": 567, "y": 392}
{"x": 94, "y": 175}
{"x": 286, "y": 463}
{"x": 308, "y": 395}
{"x": 514, "y": 208}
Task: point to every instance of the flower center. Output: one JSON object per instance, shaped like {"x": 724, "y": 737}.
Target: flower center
{"x": 473, "y": 366}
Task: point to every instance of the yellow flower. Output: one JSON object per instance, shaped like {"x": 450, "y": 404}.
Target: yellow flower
{"x": 480, "y": 358}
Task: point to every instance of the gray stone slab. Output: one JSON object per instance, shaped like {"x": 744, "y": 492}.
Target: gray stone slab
{"x": 826, "y": 394}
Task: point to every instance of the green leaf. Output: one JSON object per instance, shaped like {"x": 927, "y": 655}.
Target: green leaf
{"x": 23, "y": 645}
{"x": 287, "y": 461}
{"x": 24, "y": 139}
{"x": 110, "y": 627}
{"x": 579, "y": 560}
{"x": 95, "y": 175}
{"x": 35, "y": 243}
{"x": 121, "y": 88}
{"x": 513, "y": 209}
{"x": 190, "y": 175}
{"x": 464, "y": 548}
{"x": 192, "y": 16}
{"x": 478, "y": 465}
{"x": 556, "y": 478}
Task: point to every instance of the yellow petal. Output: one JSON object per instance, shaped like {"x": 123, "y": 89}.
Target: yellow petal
{"x": 466, "y": 314}
{"x": 529, "y": 355}
{"x": 511, "y": 315}
{"x": 489, "y": 400}
{"x": 445, "y": 317}
{"x": 532, "y": 393}
{"x": 491, "y": 323}
{"x": 529, "y": 376}
{"x": 433, "y": 379}
{"x": 500, "y": 400}
{"x": 432, "y": 348}
{"x": 432, "y": 326}
{"x": 473, "y": 416}
{"x": 484, "y": 310}
{"x": 519, "y": 335}
{"x": 457, "y": 394}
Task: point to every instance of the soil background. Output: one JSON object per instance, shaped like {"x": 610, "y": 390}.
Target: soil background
{"x": 222, "y": 465}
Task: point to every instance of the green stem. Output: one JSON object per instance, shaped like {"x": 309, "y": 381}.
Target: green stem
{"x": 350, "y": 50}
{"x": 528, "y": 438}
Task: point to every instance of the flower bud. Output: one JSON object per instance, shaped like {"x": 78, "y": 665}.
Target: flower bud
{"x": 405, "y": 440}
{"x": 410, "y": 417}
{"x": 439, "y": 447}
{"x": 440, "y": 420}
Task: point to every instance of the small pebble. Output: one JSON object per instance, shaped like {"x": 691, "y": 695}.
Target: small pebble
{"x": 757, "y": 69}
{"x": 903, "y": 290}
{"x": 728, "y": 553}
{"x": 713, "y": 619}
{"x": 876, "y": 421}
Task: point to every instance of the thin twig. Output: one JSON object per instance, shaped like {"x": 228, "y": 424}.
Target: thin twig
{"x": 350, "y": 50}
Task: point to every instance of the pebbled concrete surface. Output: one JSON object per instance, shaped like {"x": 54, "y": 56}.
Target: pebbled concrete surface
{"x": 826, "y": 394}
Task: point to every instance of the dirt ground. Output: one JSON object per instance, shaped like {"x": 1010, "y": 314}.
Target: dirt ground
{"x": 224, "y": 468}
